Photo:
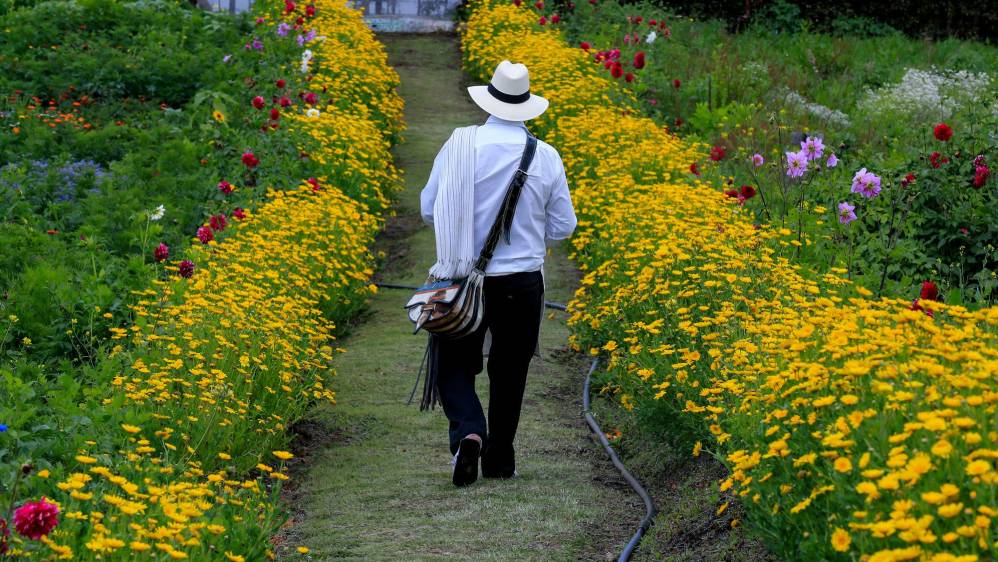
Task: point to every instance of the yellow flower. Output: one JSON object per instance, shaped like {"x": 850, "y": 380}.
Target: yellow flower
{"x": 218, "y": 116}
{"x": 978, "y": 467}
{"x": 303, "y": 549}
{"x": 234, "y": 557}
{"x": 283, "y": 455}
{"x": 85, "y": 459}
{"x": 843, "y": 464}
{"x": 841, "y": 540}
{"x": 130, "y": 428}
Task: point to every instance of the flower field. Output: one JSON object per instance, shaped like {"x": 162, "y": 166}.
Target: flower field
{"x": 170, "y": 444}
{"x": 853, "y": 427}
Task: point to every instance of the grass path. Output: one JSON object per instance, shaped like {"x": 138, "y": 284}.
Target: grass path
{"x": 375, "y": 482}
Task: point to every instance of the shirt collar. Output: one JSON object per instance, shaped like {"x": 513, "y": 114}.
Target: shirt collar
{"x": 493, "y": 120}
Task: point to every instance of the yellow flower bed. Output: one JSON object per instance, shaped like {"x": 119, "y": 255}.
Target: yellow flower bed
{"x": 853, "y": 428}
{"x": 216, "y": 367}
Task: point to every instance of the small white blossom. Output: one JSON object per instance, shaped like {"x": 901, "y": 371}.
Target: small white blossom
{"x": 312, "y": 113}
{"x": 651, "y": 37}
{"x": 157, "y": 213}
{"x": 306, "y": 55}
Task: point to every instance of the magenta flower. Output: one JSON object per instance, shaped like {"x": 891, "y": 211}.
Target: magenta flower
{"x": 205, "y": 235}
{"x": 186, "y": 269}
{"x": 218, "y": 222}
{"x": 866, "y": 183}
{"x": 35, "y": 520}
{"x": 847, "y": 213}
{"x": 832, "y": 161}
{"x": 758, "y": 160}
{"x": 796, "y": 164}
{"x": 813, "y": 148}
{"x": 161, "y": 253}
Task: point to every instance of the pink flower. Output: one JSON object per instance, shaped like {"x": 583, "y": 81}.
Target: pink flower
{"x": 161, "y": 253}
{"x": 186, "y": 269}
{"x": 310, "y": 98}
{"x": 35, "y": 520}
{"x": 238, "y": 213}
{"x": 758, "y": 160}
{"x": 981, "y": 175}
{"x": 285, "y": 101}
{"x": 205, "y": 234}
{"x": 225, "y": 187}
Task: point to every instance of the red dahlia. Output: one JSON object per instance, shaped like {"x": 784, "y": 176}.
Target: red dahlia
{"x": 259, "y": 102}
{"x": 943, "y": 132}
{"x": 250, "y": 160}
{"x": 186, "y": 269}
{"x": 225, "y": 187}
{"x": 217, "y": 222}
{"x": 639, "y": 60}
{"x": 281, "y": 83}
{"x": 238, "y": 213}
{"x": 929, "y": 291}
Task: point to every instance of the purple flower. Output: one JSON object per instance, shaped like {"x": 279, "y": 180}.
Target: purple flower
{"x": 813, "y": 148}
{"x": 226, "y": 58}
{"x": 283, "y": 29}
{"x": 846, "y": 213}
{"x": 257, "y": 44}
{"x": 832, "y": 161}
{"x": 758, "y": 160}
{"x": 866, "y": 183}
{"x": 3, "y": 428}
{"x": 796, "y": 164}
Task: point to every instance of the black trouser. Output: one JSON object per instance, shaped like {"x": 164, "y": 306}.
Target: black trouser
{"x": 512, "y": 313}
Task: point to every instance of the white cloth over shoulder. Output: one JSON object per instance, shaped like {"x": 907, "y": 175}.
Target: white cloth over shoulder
{"x": 544, "y": 212}
{"x": 453, "y": 220}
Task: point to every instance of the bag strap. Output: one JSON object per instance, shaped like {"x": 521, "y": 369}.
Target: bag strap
{"x": 504, "y": 219}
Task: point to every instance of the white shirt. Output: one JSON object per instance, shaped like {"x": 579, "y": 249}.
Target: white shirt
{"x": 544, "y": 211}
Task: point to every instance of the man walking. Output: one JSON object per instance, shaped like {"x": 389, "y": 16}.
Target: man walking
{"x": 514, "y": 284}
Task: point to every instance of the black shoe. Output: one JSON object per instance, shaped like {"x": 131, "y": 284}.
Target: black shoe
{"x": 466, "y": 462}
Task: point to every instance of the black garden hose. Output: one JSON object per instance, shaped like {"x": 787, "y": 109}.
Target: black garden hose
{"x": 650, "y": 510}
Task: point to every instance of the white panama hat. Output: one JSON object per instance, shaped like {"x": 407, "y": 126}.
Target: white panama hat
{"x": 508, "y": 95}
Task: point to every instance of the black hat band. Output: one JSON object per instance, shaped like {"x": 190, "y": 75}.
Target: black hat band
{"x": 508, "y": 98}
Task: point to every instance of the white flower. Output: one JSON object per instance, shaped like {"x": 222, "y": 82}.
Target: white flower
{"x": 157, "y": 213}
{"x": 304, "y": 67}
{"x": 928, "y": 94}
{"x": 651, "y": 37}
{"x": 313, "y": 113}
{"x": 306, "y": 55}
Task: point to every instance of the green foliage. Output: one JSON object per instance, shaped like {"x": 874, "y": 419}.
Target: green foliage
{"x": 766, "y": 89}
